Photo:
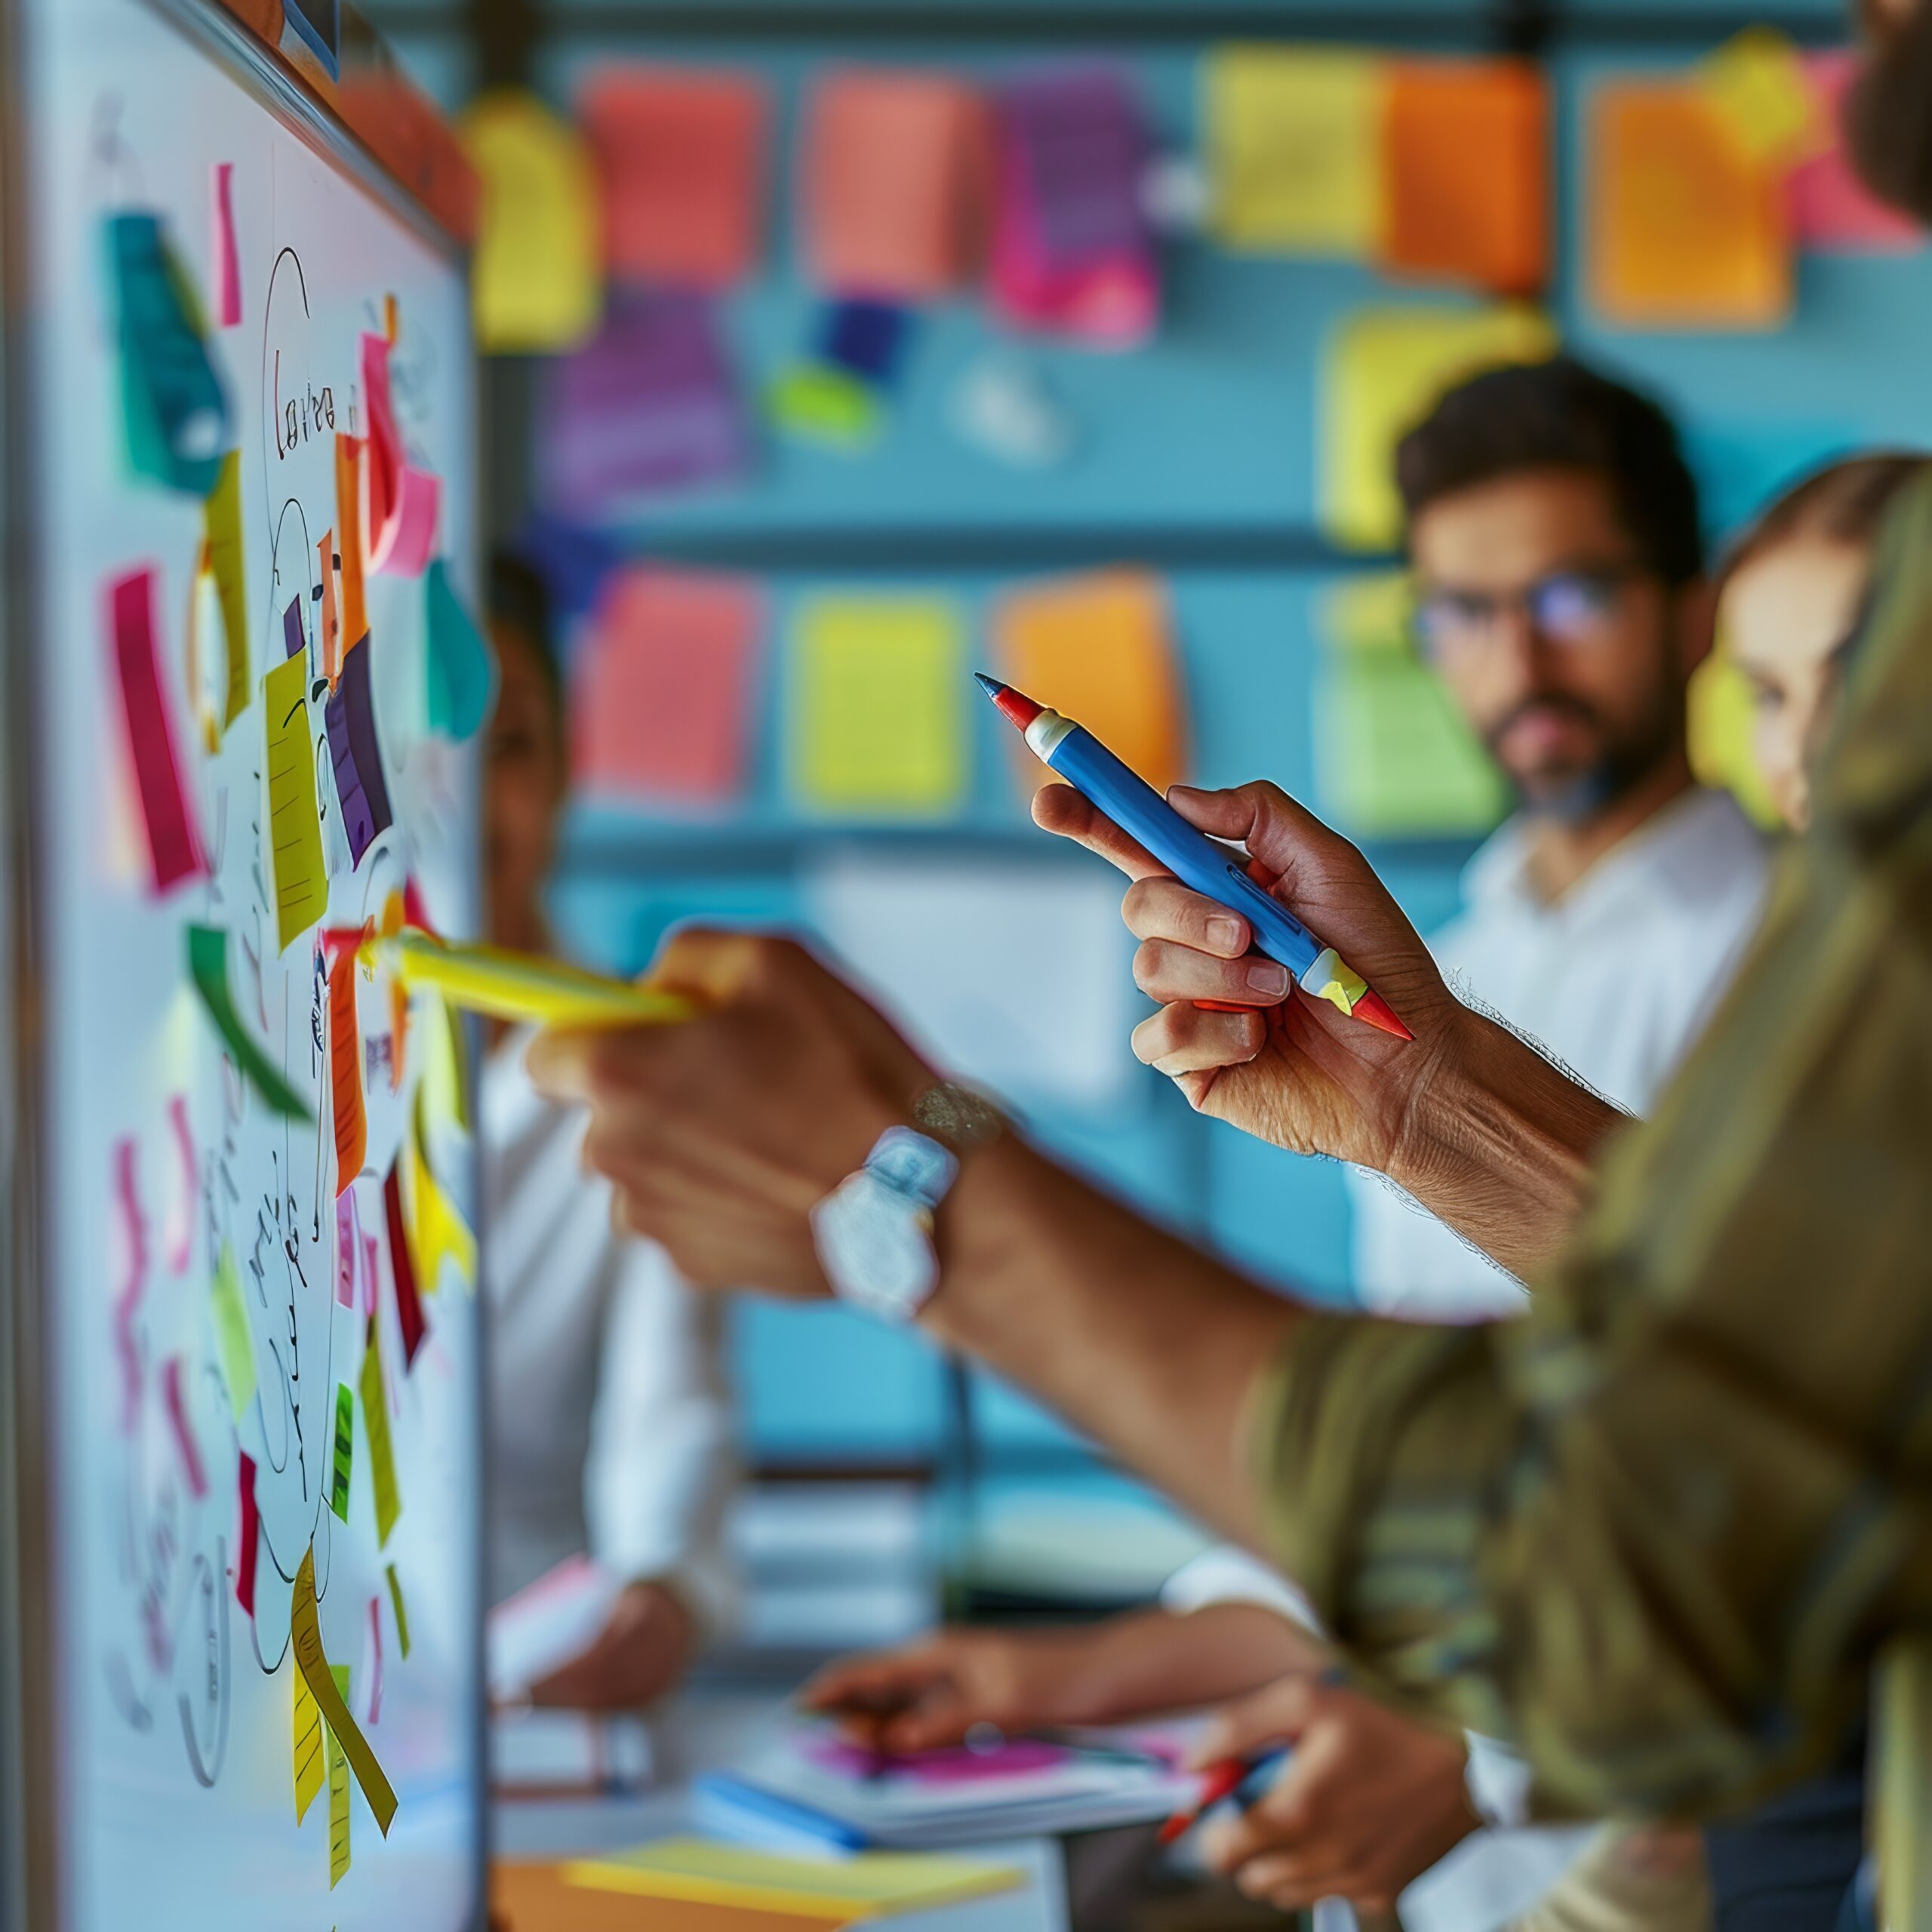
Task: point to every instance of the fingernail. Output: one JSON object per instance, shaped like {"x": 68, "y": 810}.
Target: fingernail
{"x": 1227, "y": 936}
{"x": 1269, "y": 978}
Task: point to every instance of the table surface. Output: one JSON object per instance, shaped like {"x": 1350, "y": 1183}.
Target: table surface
{"x": 704, "y": 1730}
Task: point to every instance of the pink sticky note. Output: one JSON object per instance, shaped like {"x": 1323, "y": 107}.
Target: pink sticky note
{"x": 134, "y": 1247}
{"x": 247, "y": 1534}
{"x": 399, "y": 502}
{"x": 373, "y": 1674}
{"x": 184, "y": 1433}
{"x": 662, "y": 704}
{"x": 174, "y": 844}
{"x": 1831, "y": 208}
{"x": 227, "y": 259}
{"x": 348, "y": 1248}
{"x": 181, "y": 1249}
{"x": 368, "y": 1274}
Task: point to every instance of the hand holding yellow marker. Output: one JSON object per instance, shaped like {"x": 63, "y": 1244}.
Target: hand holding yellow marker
{"x": 516, "y": 986}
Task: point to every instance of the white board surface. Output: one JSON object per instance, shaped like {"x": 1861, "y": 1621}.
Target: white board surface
{"x": 175, "y": 1707}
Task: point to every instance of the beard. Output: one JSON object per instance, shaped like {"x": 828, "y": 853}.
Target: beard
{"x": 1627, "y": 756}
{"x": 1888, "y": 115}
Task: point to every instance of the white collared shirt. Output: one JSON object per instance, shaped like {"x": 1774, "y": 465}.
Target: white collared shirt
{"x": 609, "y": 1421}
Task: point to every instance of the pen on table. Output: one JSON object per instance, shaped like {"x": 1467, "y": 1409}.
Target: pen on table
{"x": 1218, "y": 1782}
{"x": 1194, "y": 858}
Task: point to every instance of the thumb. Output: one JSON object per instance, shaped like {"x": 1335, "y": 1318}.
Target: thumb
{"x": 1276, "y": 1714}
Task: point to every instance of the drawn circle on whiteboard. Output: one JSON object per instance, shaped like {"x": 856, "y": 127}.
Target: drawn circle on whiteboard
{"x": 293, "y": 591}
{"x": 286, "y": 386}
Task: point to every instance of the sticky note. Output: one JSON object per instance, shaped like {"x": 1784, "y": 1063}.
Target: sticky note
{"x": 207, "y": 965}
{"x": 328, "y": 627}
{"x": 400, "y": 1608}
{"x": 1721, "y": 723}
{"x": 680, "y": 158}
{"x": 445, "y": 1059}
{"x": 896, "y": 181}
{"x": 175, "y": 410}
{"x": 248, "y": 1533}
{"x": 1098, "y": 649}
{"x": 536, "y": 276}
{"x": 181, "y": 1246}
{"x": 128, "y": 1301}
{"x": 338, "y": 1763}
{"x": 877, "y": 720}
{"x": 227, "y": 290}
{"x": 1387, "y": 368}
{"x": 376, "y": 1427}
{"x": 342, "y": 1460}
{"x": 815, "y": 404}
{"x": 221, "y": 515}
{"x": 375, "y": 1673}
{"x": 348, "y": 1234}
{"x": 1466, "y": 192}
{"x": 173, "y": 842}
{"x": 400, "y": 503}
{"x": 354, "y": 540}
{"x": 649, "y": 405}
{"x": 1831, "y": 208}
{"x": 363, "y": 792}
{"x": 438, "y": 1231}
{"x": 1757, "y": 83}
{"x": 308, "y": 1747}
{"x": 313, "y": 1664}
{"x": 1685, "y": 230}
{"x": 295, "y": 826}
{"x": 294, "y": 631}
{"x": 461, "y": 671}
{"x": 1294, "y": 143}
{"x": 175, "y": 1401}
{"x": 408, "y": 1301}
{"x": 662, "y": 708}
{"x": 346, "y": 1073}
{"x": 864, "y": 338}
{"x": 234, "y": 1341}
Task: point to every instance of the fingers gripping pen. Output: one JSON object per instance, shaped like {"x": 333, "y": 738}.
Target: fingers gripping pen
{"x": 1193, "y": 858}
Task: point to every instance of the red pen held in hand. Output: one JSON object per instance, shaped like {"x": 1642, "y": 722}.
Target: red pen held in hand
{"x": 1218, "y": 1782}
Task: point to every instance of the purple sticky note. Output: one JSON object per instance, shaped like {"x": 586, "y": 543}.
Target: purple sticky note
{"x": 294, "y": 638}
{"x": 359, "y": 783}
{"x": 648, "y": 406}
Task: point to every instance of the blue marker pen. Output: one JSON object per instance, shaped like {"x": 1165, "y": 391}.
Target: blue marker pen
{"x": 1193, "y": 858}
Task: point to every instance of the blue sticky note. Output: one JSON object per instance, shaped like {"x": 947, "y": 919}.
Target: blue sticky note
{"x": 865, "y": 339}
{"x": 462, "y": 673}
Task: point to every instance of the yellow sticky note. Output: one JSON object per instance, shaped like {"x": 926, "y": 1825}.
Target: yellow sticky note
{"x": 1097, "y": 649}
{"x": 234, "y": 1342}
{"x": 444, "y": 1055}
{"x": 376, "y": 1427}
{"x": 227, "y": 564}
{"x": 1721, "y": 722}
{"x": 338, "y": 1789}
{"x": 307, "y": 1746}
{"x": 312, "y": 1664}
{"x": 537, "y": 277}
{"x": 295, "y": 826}
{"x": 878, "y": 716}
{"x": 1387, "y": 369}
{"x": 1295, "y": 146}
{"x": 437, "y": 1228}
{"x": 401, "y": 1607}
{"x": 1757, "y": 83}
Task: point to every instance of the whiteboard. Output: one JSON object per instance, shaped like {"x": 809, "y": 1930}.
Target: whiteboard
{"x": 174, "y": 1709}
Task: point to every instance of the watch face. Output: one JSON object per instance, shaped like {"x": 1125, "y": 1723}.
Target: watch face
{"x": 876, "y": 1247}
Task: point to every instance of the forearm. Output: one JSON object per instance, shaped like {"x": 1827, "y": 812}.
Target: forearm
{"x": 1150, "y": 1662}
{"x": 1150, "y": 1347}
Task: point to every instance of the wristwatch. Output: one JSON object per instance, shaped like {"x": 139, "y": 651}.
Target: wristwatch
{"x": 874, "y": 1230}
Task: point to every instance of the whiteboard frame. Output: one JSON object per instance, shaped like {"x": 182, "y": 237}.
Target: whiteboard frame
{"x": 30, "y": 1826}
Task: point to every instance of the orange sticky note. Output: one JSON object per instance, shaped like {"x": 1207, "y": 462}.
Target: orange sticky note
{"x": 1099, "y": 650}
{"x": 345, "y": 1072}
{"x": 1686, "y": 231}
{"x": 662, "y": 705}
{"x": 1466, "y": 155}
{"x": 326, "y": 562}
{"x": 895, "y": 184}
{"x": 354, "y": 614}
{"x": 680, "y": 152}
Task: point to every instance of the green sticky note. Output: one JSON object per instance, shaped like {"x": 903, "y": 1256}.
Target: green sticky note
{"x": 234, "y": 1342}
{"x": 462, "y": 673}
{"x": 382, "y": 1450}
{"x": 826, "y": 406}
{"x": 208, "y": 964}
{"x": 345, "y": 1450}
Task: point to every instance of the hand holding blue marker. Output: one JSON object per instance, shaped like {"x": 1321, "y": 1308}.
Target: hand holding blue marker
{"x": 1193, "y": 858}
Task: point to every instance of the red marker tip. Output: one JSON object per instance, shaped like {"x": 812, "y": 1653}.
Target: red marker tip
{"x": 1016, "y": 707}
{"x": 1377, "y": 1010}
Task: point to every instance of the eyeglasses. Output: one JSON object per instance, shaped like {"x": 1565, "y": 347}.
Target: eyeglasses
{"x": 1568, "y": 607}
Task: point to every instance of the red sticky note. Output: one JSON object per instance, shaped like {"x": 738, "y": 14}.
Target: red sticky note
{"x": 662, "y": 705}
{"x": 399, "y": 502}
{"x": 183, "y": 1430}
{"x": 345, "y": 1074}
{"x": 1466, "y": 162}
{"x": 896, "y": 184}
{"x": 680, "y": 153}
{"x": 402, "y": 1268}
{"x": 127, "y": 1303}
{"x": 247, "y": 1536}
{"x": 1831, "y": 208}
{"x": 227, "y": 303}
{"x": 175, "y": 844}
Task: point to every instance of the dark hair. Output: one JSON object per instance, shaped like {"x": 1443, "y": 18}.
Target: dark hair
{"x": 520, "y": 598}
{"x": 1844, "y": 502}
{"x": 1560, "y": 415}
{"x": 1888, "y": 111}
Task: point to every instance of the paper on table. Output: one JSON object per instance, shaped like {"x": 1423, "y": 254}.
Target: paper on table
{"x": 1757, "y": 83}
{"x": 400, "y": 1608}
{"x": 222, "y": 525}
{"x": 376, "y": 1427}
{"x": 680, "y": 154}
{"x": 343, "y": 1464}
{"x": 308, "y": 1751}
{"x": 338, "y": 1788}
{"x": 896, "y": 178}
{"x": 1098, "y": 649}
{"x": 174, "y": 409}
{"x": 1387, "y": 368}
{"x": 461, "y": 671}
{"x": 234, "y": 1341}
{"x": 408, "y": 1301}
{"x": 182, "y": 1427}
{"x": 349, "y": 713}
{"x": 355, "y": 539}
{"x": 313, "y": 1665}
{"x": 207, "y": 965}
{"x": 346, "y": 1074}
{"x": 248, "y": 1533}
{"x": 1686, "y": 230}
{"x": 1467, "y": 193}
{"x": 878, "y": 722}
{"x": 438, "y": 1229}
{"x": 530, "y": 1895}
{"x": 1014, "y": 975}
{"x": 662, "y": 706}
{"x": 227, "y": 261}
{"x": 175, "y": 844}
{"x": 1295, "y": 144}
{"x": 536, "y": 277}
{"x": 400, "y": 501}
{"x": 1831, "y": 208}
{"x": 295, "y": 827}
